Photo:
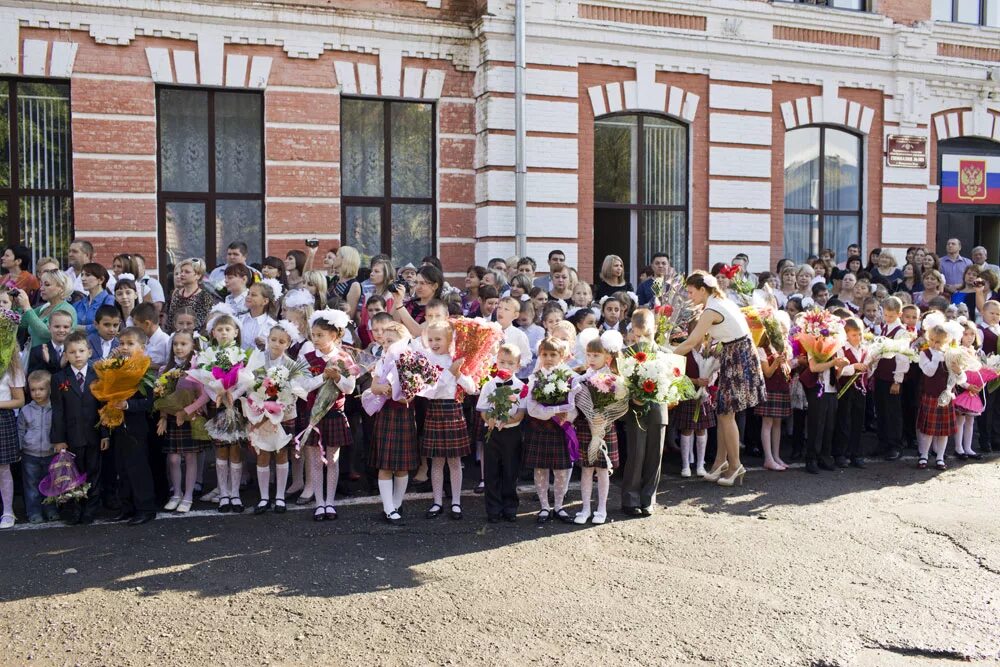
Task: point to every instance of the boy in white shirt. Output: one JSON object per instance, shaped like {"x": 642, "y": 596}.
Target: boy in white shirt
{"x": 144, "y": 317}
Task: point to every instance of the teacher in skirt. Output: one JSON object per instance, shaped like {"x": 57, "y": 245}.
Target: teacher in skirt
{"x": 741, "y": 381}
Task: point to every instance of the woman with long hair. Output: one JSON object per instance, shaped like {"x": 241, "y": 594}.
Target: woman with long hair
{"x": 612, "y": 278}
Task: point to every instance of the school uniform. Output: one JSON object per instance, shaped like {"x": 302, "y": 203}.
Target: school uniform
{"x": 252, "y": 328}
{"x": 36, "y": 361}
{"x": 101, "y": 348}
{"x": 158, "y": 348}
{"x": 988, "y": 423}
{"x": 909, "y": 399}
{"x": 445, "y": 431}
{"x": 136, "y": 489}
{"x": 821, "y": 417}
{"x": 887, "y": 406}
{"x": 334, "y": 431}
{"x": 10, "y": 448}
{"x": 518, "y": 339}
{"x": 851, "y": 409}
{"x": 502, "y": 453}
{"x": 778, "y": 404}
{"x": 544, "y": 439}
{"x": 933, "y": 419}
{"x": 395, "y": 445}
{"x": 74, "y": 416}
{"x": 684, "y": 412}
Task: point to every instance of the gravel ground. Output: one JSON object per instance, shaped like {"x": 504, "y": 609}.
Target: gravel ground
{"x": 881, "y": 567}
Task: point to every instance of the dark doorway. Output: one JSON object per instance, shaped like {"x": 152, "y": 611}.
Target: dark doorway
{"x": 612, "y": 236}
{"x": 970, "y": 223}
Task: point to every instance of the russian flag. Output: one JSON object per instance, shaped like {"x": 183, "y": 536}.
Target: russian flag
{"x": 970, "y": 179}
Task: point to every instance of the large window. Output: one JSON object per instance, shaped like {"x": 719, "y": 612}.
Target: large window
{"x": 640, "y": 190}
{"x": 822, "y": 191}
{"x": 36, "y": 186}
{"x": 387, "y": 178}
{"x": 979, "y": 12}
{"x": 854, "y": 5}
{"x": 211, "y": 173}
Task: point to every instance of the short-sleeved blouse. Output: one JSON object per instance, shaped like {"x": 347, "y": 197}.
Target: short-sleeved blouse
{"x": 8, "y": 381}
{"x": 733, "y": 325}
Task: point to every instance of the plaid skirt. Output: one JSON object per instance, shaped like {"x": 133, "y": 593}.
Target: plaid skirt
{"x": 178, "y": 439}
{"x": 933, "y": 419}
{"x": 394, "y": 438}
{"x": 683, "y": 416}
{"x": 610, "y": 439}
{"x": 10, "y": 447}
{"x": 333, "y": 430}
{"x": 741, "y": 381}
{"x": 778, "y": 405}
{"x": 544, "y": 445}
{"x": 445, "y": 432}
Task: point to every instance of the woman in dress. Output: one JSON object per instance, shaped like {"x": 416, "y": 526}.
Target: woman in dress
{"x": 189, "y": 293}
{"x": 741, "y": 380}
{"x": 612, "y": 278}
{"x": 933, "y": 288}
{"x": 347, "y": 286}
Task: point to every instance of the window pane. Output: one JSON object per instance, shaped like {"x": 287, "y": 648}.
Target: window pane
{"x": 4, "y": 134}
{"x": 47, "y": 226}
{"x": 411, "y": 149}
{"x": 842, "y": 172}
{"x": 43, "y": 136}
{"x": 840, "y": 232}
{"x": 801, "y": 237}
{"x": 185, "y": 231}
{"x": 665, "y": 168}
{"x": 665, "y": 231}
{"x": 968, "y": 11}
{"x": 363, "y": 231}
{"x": 184, "y": 140}
{"x": 857, "y": 5}
{"x": 614, "y": 159}
{"x": 802, "y": 168}
{"x": 237, "y": 142}
{"x": 992, "y": 13}
{"x": 362, "y": 155}
{"x": 411, "y": 233}
{"x": 942, "y": 10}
{"x": 238, "y": 220}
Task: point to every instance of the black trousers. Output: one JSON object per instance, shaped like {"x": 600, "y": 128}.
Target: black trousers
{"x": 502, "y": 461}
{"x": 988, "y": 423}
{"x": 909, "y": 401}
{"x": 821, "y": 423}
{"x": 890, "y": 416}
{"x": 850, "y": 423}
{"x": 88, "y": 460}
{"x": 135, "y": 479}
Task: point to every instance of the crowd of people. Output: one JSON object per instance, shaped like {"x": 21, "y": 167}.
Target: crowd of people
{"x": 357, "y": 336}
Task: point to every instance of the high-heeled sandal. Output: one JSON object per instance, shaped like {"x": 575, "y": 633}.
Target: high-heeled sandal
{"x": 717, "y": 473}
{"x": 734, "y": 479}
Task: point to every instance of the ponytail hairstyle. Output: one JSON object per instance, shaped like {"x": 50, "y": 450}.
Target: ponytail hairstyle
{"x": 705, "y": 281}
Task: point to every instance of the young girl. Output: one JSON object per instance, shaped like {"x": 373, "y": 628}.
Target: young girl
{"x": 544, "y": 437}
{"x": 237, "y": 277}
{"x": 539, "y": 297}
{"x": 582, "y": 295}
{"x": 967, "y": 411}
{"x": 694, "y": 432}
{"x": 279, "y": 340}
{"x": 179, "y": 442}
{"x": 259, "y": 320}
{"x": 11, "y": 398}
{"x": 552, "y": 314}
{"x": 935, "y": 422}
{"x": 328, "y": 362}
{"x": 611, "y": 315}
{"x": 445, "y": 435}
{"x": 583, "y": 318}
{"x": 184, "y": 321}
{"x": 600, "y": 359}
{"x": 126, "y": 296}
{"x": 299, "y": 313}
{"x": 777, "y": 406}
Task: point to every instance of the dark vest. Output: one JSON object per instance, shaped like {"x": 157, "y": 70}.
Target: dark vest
{"x": 861, "y": 384}
{"x": 777, "y": 381}
{"x": 316, "y": 367}
{"x": 935, "y": 384}
{"x": 886, "y": 368}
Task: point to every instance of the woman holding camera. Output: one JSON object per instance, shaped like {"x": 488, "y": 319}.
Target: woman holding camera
{"x": 347, "y": 286}
{"x": 427, "y": 286}
{"x": 971, "y": 282}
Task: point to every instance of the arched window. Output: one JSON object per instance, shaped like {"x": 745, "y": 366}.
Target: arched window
{"x": 640, "y": 190}
{"x": 823, "y": 177}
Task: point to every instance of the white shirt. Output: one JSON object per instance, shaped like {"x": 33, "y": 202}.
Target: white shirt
{"x": 347, "y": 381}
{"x": 238, "y": 303}
{"x": 151, "y": 286}
{"x": 733, "y": 325}
{"x": 518, "y": 339}
{"x": 106, "y": 347}
{"x": 158, "y": 347}
{"x": 902, "y": 363}
{"x": 447, "y": 383}
{"x": 483, "y": 404}
{"x": 252, "y": 328}
{"x": 9, "y": 381}
{"x": 930, "y": 366}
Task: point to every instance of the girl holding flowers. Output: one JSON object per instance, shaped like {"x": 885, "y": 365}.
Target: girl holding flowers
{"x": 695, "y": 416}
{"x": 261, "y": 303}
{"x": 777, "y": 370}
{"x": 174, "y": 425}
{"x": 935, "y": 422}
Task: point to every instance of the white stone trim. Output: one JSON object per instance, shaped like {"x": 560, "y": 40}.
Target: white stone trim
{"x": 751, "y": 195}
{"x": 976, "y": 122}
{"x": 260, "y": 71}
{"x": 643, "y": 94}
{"x": 300, "y": 126}
{"x": 739, "y": 98}
{"x": 80, "y": 115}
{"x": 904, "y": 230}
{"x": 752, "y": 162}
{"x": 544, "y": 152}
{"x": 388, "y": 79}
{"x": 454, "y": 240}
{"x": 115, "y": 234}
{"x": 390, "y": 63}
{"x": 62, "y": 58}
{"x": 185, "y": 67}
{"x": 736, "y": 129}
{"x": 114, "y": 156}
{"x": 829, "y": 110}
{"x": 294, "y": 89}
{"x": 10, "y": 52}
{"x": 553, "y": 83}
{"x": 301, "y": 163}
{"x": 540, "y": 115}
{"x": 541, "y": 187}
{"x": 114, "y": 195}
{"x": 301, "y": 200}
{"x": 159, "y": 64}
{"x": 328, "y": 236}
{"x": 35, "y": 56}
{"x": 910, "y": 201}
{"x": 236, "y": 70}
{"x": 760, "y": 255}
{"x": 724, "y": 226}
{"x": 549, "y": 222}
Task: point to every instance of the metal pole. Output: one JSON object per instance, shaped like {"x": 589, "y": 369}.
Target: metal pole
{"x": 520, "y": 171}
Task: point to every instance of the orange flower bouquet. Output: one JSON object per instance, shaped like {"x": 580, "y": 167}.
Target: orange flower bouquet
{"x": 819, "y": 333}
{"x": 476, "y": 343}
{"x": 118, "y": 378}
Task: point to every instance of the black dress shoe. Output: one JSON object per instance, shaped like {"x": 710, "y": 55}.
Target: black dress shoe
{"x": 841, "y": 462}
{"x": 510, "y": 517}
{"x": 825, "y": 465}
{"x": 261, "y": 507}
{"x": 123, "y": 516}
{"x": 493, "y": 518}
{"x": 631, "y": 511}
{"x": 141, "y": 518}
{"x": 893, "y": 455}
{"x": 858, "y": 462}
{"x": 86, "y": 520}
{"x": 812, "y": 468}
{"x": 646, "y": 511}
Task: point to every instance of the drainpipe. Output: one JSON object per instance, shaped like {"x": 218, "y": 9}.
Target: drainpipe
{"x": 520, "y": 171}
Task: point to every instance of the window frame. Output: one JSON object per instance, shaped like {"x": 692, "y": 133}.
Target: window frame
{"x": 209, "y": 197}
{"x": 14, "y": 193}
{"x": 639, "y": 207}
{"x": 866, "y": 10}
{"x": 823, "y": 212}
{"x": 386, "y": 201}
{"x": 954, "y": 15}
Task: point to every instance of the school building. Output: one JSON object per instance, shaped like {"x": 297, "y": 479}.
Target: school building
{"x": 698, "y": 127}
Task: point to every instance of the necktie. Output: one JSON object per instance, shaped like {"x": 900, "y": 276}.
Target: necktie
{"x": 505, "y": 384}
{"x": 79, "y": 380}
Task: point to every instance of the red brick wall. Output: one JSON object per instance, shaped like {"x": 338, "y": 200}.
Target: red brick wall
{"x": 906, "y": 11}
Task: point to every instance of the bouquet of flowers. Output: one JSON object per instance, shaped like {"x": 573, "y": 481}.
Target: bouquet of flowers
{"x": 64, "y": 483}
{"x": 476, "y": 344}
{"x": 118, "y": 378}
{"x": 992, "y": 362}
{"x": 504, "y": 399}
{"x": 225, "y": 374}
{"x": 708, "y": 365}
{"x": 372, "y": 403}
{"x": 553, "y": 389}
{"x": 416, "y": 373}
{"x": 172, "y": 393}
{"x": 326, "y": 396}
{"x": 602, "y": 399}
{"x": 819, "y": 333}
{"x": 958, "y": 360}
{"x": 673, "y": 312}
{"x": 655, "y": 378}
{"x": 272, "y": 401}
{"x": 9, "y": 322}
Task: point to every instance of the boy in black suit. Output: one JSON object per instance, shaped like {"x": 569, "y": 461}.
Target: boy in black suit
{"x": 135, "y": 490}
{"x": 74, "y": 419}
{"x": 49, "y": 356}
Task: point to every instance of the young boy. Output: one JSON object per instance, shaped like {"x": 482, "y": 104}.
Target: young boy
{"x": 158, "y": 346}
{"x": 889, "y": 376}
{"x": 989, "y": 422}
{"x": 33, "y": 425}
{"x": 74, "y": 416}
{"x": 909, "y": 391}
{"x": 820, "y": 294}
{"x": 136, "y": 493}
{"x": 48, "y": 356}
{"x": 822, "y": 411}
{"x": 105, "y": 340}
{"x": 507, "y": 311}
{"x": 851, "y": 406}
{"x": 502, "y": 452}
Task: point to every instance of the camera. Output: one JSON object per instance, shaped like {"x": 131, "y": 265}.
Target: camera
{"x": 312, "y": 243}
{"x": 400, "y": 285}
{"x": 979, "y": 282}
{"x": 14, "y": 293}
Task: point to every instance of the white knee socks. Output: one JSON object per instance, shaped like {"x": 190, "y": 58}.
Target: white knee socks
{"x": 399, "y": 483}
{"x": 923, "y": 444}
{"x": 686, "y": 443}
{"x": 455, "y": 469}
{"x": 385, "y": 492}
{"x": 281, "y": 476}
{"x": 700, "y": 442}
{"x": 940, "y": 444}
{"x": 174, "y": 462}
{"x": 222, "y": 475}
{"x": 561, "y": 487}
{"x": 603, "y": 486}
{"x": 586, "y": 489}
{"x": 235, "y": 477}
{"x": 264, "y": 482}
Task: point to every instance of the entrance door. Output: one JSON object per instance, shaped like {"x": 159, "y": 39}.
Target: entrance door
{"x": 612, "y": 236}
{"x": 988, "y": 235}
{"x": 959, "y": 226}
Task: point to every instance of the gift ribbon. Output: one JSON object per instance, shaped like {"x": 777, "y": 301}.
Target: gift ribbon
{"x": 572, "y": 441}
{"x": 319, "y": 442}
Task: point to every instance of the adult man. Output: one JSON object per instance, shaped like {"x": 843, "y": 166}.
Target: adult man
{"x": 82, "y": 252}
{"x": 236, "y": 253}
{"x": 498, "y": 264}
{"x": 557, "y": 260}
{"x": 661, "y": 269}
{"x": 526, "y": 266}
{"x": 853, "y": 250}
{"x": 979, "y": 257}
{"x": 953, "y": 265}
{"x": 743, "y": 261}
